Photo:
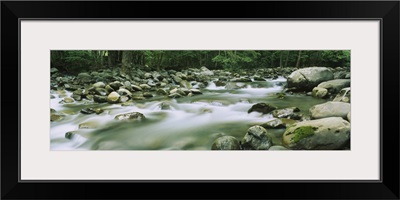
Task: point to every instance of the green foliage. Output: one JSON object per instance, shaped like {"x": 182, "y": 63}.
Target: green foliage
{"x": 78, "y": 61}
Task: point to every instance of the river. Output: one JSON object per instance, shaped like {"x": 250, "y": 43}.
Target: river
{"x": 189, "y": 123}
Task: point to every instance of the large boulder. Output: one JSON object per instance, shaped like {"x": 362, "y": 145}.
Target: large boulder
{"x": 307, "y": 78}
{"x": 226, "y": 143}
{"x": 321, "y": 134}
{"x": 334, "y": 86}
{"x": 256, "y": 138}
{"x": 330, "y": 109}
{"x": 343, "y": 96}
{"x": 206, "y": 72}
{"x": 262, "y": 108}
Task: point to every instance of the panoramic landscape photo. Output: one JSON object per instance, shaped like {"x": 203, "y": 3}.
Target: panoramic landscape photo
{"x": 200, "y": 100}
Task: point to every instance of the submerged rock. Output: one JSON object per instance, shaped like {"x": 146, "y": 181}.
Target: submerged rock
{"x": 133, "y": 116}
{"x": 321, "y": 134}
{"x": 226, "y": 143}
{"x": 256, "y": 138}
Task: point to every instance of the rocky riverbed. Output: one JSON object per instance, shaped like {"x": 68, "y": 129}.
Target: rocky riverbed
{"x": 201, "y": 109}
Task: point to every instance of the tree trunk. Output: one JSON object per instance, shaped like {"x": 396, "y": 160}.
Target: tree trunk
{"x": 127, "y": 58}
{"x": 287, "y": 58}
{"x": 280, "y": 59}
{"x": 298, "y": 59}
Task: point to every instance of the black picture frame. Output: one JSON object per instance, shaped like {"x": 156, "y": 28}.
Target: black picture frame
{"x": 386, "y": 11}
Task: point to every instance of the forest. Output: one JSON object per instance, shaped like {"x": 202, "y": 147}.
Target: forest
{"x": 76, "y": 61}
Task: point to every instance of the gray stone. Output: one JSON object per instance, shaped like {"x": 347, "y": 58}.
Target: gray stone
{"x": 330, "y": 109}
{"x": 113, "y": 97}
{"x": 99, "y": 85}
{"x": 133, "y": 116}
{"x": 262, "y": 108}
{"x": 226, "y": 143}
{"x": 256, "y": 138}
{"x": 334, "y": 86}
{"x": 289, "y": 113}
{"x": 99, "y": 99}
{"x": 319, "y": 92}
{"x": 307, "y": 78}
{"x": 322, "y": 134}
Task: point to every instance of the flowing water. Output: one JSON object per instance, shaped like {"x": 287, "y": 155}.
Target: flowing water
{"x": 189, "y": 123}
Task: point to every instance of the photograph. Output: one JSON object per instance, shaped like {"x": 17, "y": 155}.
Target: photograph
{"x": 200, "y": 100}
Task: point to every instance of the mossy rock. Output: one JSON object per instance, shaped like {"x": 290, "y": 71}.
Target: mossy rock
{"x": 321, "y": 134}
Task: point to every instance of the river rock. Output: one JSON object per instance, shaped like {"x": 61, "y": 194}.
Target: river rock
{"x": 343, "y": 96}
{"x": 136, "y": 88}
{"x": 185, "y": 84}
{"x": 101, "y": 91}
{"x": 277, "y": 148}
{"x": 145, "y": 86}
{"x": 99, "y": 99}
{"x": 133, "y": 116}
{"x": 115, "y": 85}
{"x": 319, "y": 92}
{"x": 76, "y": 97}
{"x": 195, "y": 91}
{"x": 109, "y": 89}
{"x": 233, "y": 85}
{"x": 241, "y": 79}
{"x": 258, "y": 78}
{"x": 330, "y": 109}
{"x": 56, "y": 117}
{"x": 68, "y": 100}
{"x": 226, "y": 143}
{"x": 147, "y": 94}
{"x": 334, "y": 86}
{"x": 174, "y": 95}
{"x": 321, "y": 134}
{"x": 53, "y": 70}
{"x": 262, "y": 108}
{"x": 89, "y": 125}
{"x": 348, "y": 117}
{"x": 278, "y": 123}
{"x": 99, "y": 85}
{"x": 206, "y": 72}
{"x": 256, "y": 138}
{"x": 162, "y": 92}
{"x": 124, "y": 92}
{"x": 113, "y": 97}
{"x": 289, "y": 113}
{"x": 307, "y": 78}
{"x": 84, "y": 77}
{"x": 88, "y": 111}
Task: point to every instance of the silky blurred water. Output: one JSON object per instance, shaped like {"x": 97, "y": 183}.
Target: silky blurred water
{"x": 191, "y": 123}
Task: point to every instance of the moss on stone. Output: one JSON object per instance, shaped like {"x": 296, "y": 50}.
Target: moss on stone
{"x": 302, "y": 132}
